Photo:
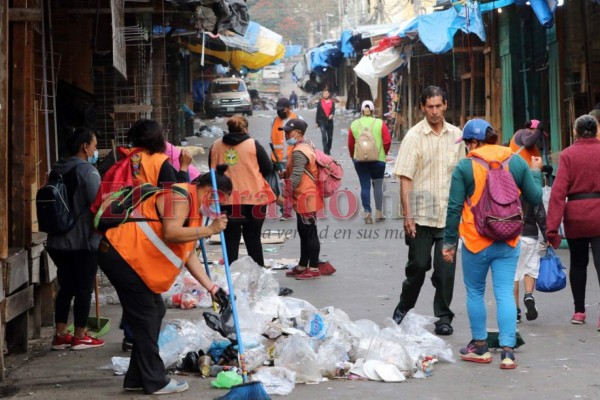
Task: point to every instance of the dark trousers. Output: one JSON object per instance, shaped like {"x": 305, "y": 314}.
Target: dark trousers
{"x": 310, "y": 247}
{"x": 579, "y": 250}
{"x": 144, "y": 311}
{"x": 370, "y": 172}
{"x": 76, "y": 271}
{"x": 327, "y": 135}
{"x": 419, "y": 262}
{"x": 245, "y": 220}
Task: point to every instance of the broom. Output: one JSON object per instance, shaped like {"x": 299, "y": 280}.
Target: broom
{"x": 247, "y": 390}
{"x": 205, "y": 259}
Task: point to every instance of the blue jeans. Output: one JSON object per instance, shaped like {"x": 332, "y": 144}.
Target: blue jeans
{"x": 370, "y": 172}
{"x": 502, "y": 260}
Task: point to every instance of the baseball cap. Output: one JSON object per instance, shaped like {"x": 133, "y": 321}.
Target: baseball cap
{"x": 294, "y": 124}
{"x": 282, "y": 103}
{"x": 474, "y": 129}
{"x": 367, "y": 103}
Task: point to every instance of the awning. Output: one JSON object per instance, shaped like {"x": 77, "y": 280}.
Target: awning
{"x": 258, "y": 48}
{"x": 327, "y": 55}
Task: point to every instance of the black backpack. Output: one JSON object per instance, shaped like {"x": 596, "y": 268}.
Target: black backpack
{"x": 54, "y": 203}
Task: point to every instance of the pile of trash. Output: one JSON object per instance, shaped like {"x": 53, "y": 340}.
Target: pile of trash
{"x": 288, "y": 341}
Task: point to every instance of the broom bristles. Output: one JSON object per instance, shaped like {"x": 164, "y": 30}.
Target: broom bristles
{"x": 246, "y": 391}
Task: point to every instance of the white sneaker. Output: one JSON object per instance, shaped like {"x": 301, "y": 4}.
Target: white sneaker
{"x": 173, "y": 387}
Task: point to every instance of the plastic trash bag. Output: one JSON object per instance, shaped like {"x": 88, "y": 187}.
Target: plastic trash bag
{"x": 296, "y": 354}
{"x": 120, "y": 365}
{"x": 276, "y": 380}
{"x": 253, "y": 281}
{"x": 332, "y": 352}
{"x": 389, "y": 351}
{"x": 180, "y": 337}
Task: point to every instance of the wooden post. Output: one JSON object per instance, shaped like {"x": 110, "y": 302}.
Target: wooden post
{"x": 4, "y": 131}
{"x": 23, "y": 154}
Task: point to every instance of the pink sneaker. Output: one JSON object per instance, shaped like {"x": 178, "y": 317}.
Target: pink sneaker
{"x": 578, "y": 318}
{"x": 62, "y": 342}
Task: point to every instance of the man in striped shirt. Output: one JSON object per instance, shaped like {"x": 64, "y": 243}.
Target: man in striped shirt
{"x": 427, "y": 157}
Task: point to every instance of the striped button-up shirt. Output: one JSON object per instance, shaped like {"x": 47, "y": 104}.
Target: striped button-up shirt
{"x": 428, "y": 160}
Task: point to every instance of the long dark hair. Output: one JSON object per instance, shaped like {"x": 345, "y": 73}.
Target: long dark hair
{"x": 76, "y": 139}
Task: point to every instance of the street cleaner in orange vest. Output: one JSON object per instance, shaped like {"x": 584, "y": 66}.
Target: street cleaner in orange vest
{"x": 475, "y": 180}
{"x": 306, "y": 198}
{"x": 142, "y": 258}
{"x": 282, "y": 151}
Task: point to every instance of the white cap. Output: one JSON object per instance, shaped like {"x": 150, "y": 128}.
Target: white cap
{"x": 367, "y": 103}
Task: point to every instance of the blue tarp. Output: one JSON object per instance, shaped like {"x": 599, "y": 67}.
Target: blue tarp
{"x": 325, "y": 56}
{"x": 292, "y": 50}
{"x": 466, "y": 18}
{"x": 346, "y": 46}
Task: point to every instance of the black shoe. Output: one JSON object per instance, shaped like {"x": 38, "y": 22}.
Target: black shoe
{"x": 444, "y": 330}
{"x": 531, "y": 312}
{"x": 518, "y": 315}
{"x": 398, "y": 315}
{"x": 127, "y": 345}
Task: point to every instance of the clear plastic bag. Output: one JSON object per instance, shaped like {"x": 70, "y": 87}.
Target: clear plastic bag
{"x": 180, "y": 337}
{"x": 120, "y": 365}
{"x": 252, "y": 280}
{"x": 276, "y": 380}
{"x": 332, "y": 352}
{"x": 297, "y": 354}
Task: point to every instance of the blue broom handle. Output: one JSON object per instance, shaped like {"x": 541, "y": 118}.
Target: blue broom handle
{"x": 213, "y": 178}
{"x": 204, "y": 256}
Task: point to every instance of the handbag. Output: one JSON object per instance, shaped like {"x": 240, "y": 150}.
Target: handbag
{"x": 552, "y": 276}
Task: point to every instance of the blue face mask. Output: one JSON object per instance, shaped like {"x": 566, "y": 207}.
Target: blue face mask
{"x": 291, "y": 141}
{"x": 93, "y": 159}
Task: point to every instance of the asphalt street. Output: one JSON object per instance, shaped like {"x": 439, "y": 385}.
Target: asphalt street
{"x": 558, "y": 361}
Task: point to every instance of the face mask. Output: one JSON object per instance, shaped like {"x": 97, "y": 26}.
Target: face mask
{"x": 291, "y": 141}
{"x": 281, "y": 114}
{"x": 93, "y": 159}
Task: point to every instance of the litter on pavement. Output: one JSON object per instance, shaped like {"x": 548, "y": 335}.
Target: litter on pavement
{"x": 289, "y": 341}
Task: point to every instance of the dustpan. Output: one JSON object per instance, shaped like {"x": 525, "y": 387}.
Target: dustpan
{"x": 494, "y": 343}
{"x": 95, "y": 326}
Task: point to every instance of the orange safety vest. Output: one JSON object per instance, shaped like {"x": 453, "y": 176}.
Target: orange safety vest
{"x": 249, "y": 186}
{"x": 468, "y": 232}
{"x": 306, "y": 197}
{"x": 526, "y": 153}
{"x": 278, "y": 139}
{"x": 146, "y": 166}
{"x": 142, "y": 245}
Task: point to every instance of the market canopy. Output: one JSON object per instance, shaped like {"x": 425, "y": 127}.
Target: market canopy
{"x": 266, "y": 43}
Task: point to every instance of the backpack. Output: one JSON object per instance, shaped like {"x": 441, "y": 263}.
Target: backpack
{"x": 118, "y": 207}
{"x": 365, "y": 148}
{"x": 498, "y": 214}
{"x": 118, "y": 176}
{"x": 329, "y": 172}
{"x": 54, "y": 203}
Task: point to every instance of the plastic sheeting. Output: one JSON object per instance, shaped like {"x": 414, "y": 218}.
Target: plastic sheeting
{"x": 374, "y": 66}
{"x": 328, "y": 55}
{"x": 267, "y": 42}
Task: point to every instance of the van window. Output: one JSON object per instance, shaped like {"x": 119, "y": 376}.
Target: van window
{"x": 227, "y": 87}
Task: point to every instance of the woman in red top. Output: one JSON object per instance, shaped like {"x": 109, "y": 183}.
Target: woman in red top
{"x": 325, "y": 113}
{"x": 578, "y": 182}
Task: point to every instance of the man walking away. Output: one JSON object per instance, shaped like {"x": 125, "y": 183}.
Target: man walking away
{"x": 325, "y": 113}
{"x": 427, "y": 157}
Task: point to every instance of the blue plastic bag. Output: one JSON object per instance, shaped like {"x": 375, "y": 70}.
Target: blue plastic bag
{"x": 552, "y": 275}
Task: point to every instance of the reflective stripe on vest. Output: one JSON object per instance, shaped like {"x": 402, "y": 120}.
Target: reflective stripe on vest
{"x": 160, "y": 245}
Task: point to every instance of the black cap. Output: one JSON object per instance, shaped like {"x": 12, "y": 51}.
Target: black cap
{"x": 282, "y": 103}
{"x": 293, "y": 124}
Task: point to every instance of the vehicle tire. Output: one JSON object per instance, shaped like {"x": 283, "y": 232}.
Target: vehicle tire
{"x": 249, "y": 113}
